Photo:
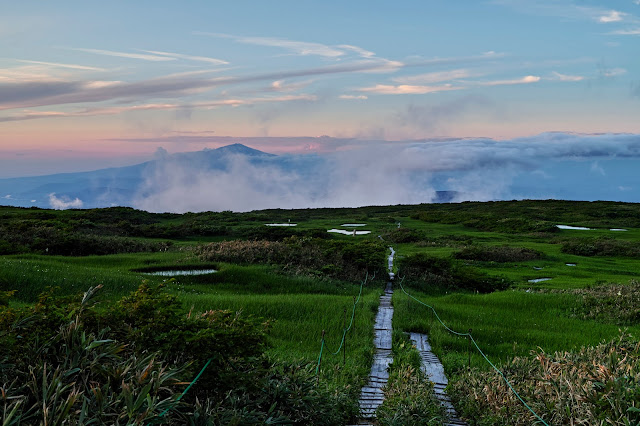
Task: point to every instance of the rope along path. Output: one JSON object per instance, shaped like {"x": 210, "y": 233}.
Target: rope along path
{"x": 323, "y": 343}
{"x": 468, "y": 335}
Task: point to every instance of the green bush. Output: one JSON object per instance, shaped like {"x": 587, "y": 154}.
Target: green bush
{"x": 602, "y": 246}
{"x": 303, "y": 255}
{"x": 128, "y": 363}
{"x": 426, "y": 272}
{"x": 590, "y": 386}
{"x": 612, "y": 303}
{"x": 498, "y": 253}
{"x": 403, "y": 235}
{"x": 56, "y": 240}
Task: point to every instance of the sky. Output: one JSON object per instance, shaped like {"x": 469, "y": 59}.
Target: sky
{"x": 86, "y": 85}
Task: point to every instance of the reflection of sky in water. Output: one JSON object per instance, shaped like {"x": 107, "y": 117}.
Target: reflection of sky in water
{"x": 346, "y": 232}
{"x": 181, "y": 272}
{"x": 538, "y": 280}
{"x": 575, "y": 228}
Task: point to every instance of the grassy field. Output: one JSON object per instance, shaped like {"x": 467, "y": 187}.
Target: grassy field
{"x": 505, "y": 324}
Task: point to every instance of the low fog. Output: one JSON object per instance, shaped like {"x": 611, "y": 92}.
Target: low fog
{"x": 552, "y": 165}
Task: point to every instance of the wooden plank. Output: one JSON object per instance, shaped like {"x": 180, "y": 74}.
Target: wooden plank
{"x": 434, "y": 370}
{"x": 372, "y": 396}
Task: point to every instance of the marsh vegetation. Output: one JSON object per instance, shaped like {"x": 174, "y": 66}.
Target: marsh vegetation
{"x": 277, "y": 288}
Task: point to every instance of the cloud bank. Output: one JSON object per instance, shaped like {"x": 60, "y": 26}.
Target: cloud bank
{"x": 64, "y": 202}
{"x": 550, "y": 165}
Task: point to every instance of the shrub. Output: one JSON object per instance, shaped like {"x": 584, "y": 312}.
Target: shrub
{"x": 602, "y": 246}
{"x": 498, "y": 253}
{"x": 129, "y": 362}
{"x": 307, "y": 256}
{"x": 613, "y": 303}
{"x": 239, "y": 251}
{"x": 279, "y": 393}
{"x": 425, "y": 272}
{"x": 403, "y": 235}
{"x": 592, "y": 386}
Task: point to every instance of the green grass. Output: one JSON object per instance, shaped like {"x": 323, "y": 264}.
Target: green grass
{"x": 298, "y": 321}
{"x": 504, "y": 324}
{"x": 31, "y": 274}
{"x": 298, "y": 308}
{"x": 589, "y": 270}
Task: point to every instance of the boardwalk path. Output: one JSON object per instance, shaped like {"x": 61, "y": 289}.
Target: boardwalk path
{"x": 435, "y": 372}
{"x": 372, "y": 396}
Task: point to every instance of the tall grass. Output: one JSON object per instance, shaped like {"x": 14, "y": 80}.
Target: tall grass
{"x": 595, "y": 385}
{"x": 504, "y": 324}
{"x": 31, "y": 274}
{"x": 297, "y": 322}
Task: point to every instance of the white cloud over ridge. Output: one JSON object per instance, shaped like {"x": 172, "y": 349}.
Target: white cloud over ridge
{"x": 64, "y": 202}
{"x": 404, "y": 172}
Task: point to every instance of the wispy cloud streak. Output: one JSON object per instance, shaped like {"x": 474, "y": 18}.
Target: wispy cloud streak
{"x": 206, "y": 59}
{"x": 55, "y": 64}
{"x": 298, "y": 47}
{"x": 145, "y": 57}
{"x": 406, "y": 89}
{"x": 564, "y": 77}
{"x": 524, "y": 80}
{"x": 568, "y": 10}
{"x": 436, "y": 77}
{"x": 90, "y": 112}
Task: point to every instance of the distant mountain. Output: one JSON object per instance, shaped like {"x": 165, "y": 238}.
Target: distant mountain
{"x": 238, "y": 148}
{"x": 236, "y": 177}
{"x": 116, "y": 185}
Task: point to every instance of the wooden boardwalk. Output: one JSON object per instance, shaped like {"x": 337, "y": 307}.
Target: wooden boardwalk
{"x": 435, "y": 372}
{"x": 372, "y": 396}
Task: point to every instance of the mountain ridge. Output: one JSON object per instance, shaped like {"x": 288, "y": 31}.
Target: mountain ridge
{"x": 121, "y": 183}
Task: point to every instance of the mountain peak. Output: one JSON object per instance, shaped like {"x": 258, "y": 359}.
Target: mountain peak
{"x": 238, "y": 148}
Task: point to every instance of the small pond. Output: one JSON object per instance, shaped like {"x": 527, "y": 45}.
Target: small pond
{"x": 280, "y": 224}
{"x": 617, "y": 229}
{"x": 179, "y": 272}
{"x": 347, "y": 232}
{"x": 539, "y": 280}
{"x": 575, "y": 228}
{"x": 354, "y": 224}
{"x": 571, "y": 264}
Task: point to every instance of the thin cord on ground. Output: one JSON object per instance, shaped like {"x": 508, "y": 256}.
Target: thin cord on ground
{"x": 345, "y": 330}
{"x": 479, "y": 350}
{"x": 353, "y": 313}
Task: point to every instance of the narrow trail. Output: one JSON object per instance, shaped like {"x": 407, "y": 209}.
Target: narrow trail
{"x": 372, "y": 396}
{"x": 434, "y": 370}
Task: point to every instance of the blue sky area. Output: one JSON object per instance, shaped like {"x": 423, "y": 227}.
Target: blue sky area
{"x": 86, "y": 85}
